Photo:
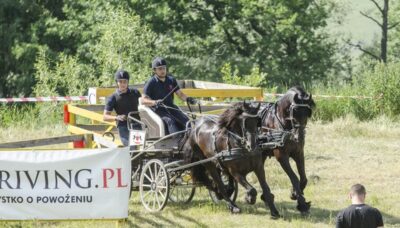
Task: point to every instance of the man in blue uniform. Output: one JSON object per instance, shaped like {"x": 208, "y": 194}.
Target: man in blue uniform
{"x": 158, "y": 92}
{"x": 359, "y": 214}
{"x": 123, "y": 101}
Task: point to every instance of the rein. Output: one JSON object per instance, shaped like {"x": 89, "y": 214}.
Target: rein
{"x": 242, "y": 139}
{"x": 281, "y": 126}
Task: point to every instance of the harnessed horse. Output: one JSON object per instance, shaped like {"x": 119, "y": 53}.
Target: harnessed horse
{"x": 289, "y": 116}
{"x": 232, "y": 140}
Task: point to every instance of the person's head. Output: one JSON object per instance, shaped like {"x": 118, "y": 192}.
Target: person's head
{"x": 159, "y": 66}
{"x": 357, "y": 193}
{"x": 122, "y": 80}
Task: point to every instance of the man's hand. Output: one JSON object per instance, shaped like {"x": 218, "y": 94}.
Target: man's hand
{"x": 158, "y": 103}
{"x": 120, "y": 118}
{"x": 191, "y": 100}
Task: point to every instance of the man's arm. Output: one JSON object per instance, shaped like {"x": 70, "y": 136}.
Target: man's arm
{"x": 181, "y": 95}
{"x": 147, "y": 101}
{"x": 379, "y": 219}
{"x": 110, "y": 104}
{"x": 339, "y": 220}
{"x": 108, "y": 117}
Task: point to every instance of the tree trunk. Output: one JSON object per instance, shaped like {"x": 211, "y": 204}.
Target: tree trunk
{"x": 384, "y": 31}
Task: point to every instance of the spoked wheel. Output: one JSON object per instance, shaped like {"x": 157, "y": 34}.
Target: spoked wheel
{"x": 182, "y": 189}
{"x": 231, "y": 187}
{"x": 154, "y": 185}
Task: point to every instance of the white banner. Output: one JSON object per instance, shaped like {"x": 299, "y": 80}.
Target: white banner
{"x": 65, "y": 184}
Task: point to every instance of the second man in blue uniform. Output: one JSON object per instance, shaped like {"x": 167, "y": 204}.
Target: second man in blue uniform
{"x": 158, "y": 93}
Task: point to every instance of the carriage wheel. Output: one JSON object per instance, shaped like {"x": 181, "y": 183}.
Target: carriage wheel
{"x": 182, "y": 192}
{"x": 230, "y": 184}
{"x": 154, "y": 186}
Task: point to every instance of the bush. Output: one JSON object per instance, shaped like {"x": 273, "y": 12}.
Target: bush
{"x": 30, "y": 116}
{"x": 381, "y": 83}
{"x": 64, "y": 76}
{"x": 255, "y": 78}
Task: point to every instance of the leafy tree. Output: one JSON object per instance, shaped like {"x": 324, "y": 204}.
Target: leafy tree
{"x": 394, "y": 41}
{"x": 118, "y": 40}
{"x": 384, "y": 26}
{"x": 18, "y": 46}
{"x": 284, "y": 38}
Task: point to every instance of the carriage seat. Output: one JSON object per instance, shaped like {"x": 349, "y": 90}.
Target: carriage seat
{"x": 155, "y": 125}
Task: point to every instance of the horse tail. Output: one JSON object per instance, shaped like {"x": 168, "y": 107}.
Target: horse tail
{"x": 199, "y": 171}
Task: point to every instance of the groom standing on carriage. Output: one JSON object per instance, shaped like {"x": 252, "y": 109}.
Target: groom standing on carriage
{"x": 158, "y": 93}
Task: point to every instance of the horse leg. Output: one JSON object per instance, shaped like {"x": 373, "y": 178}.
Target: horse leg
{"x": 221, "y": 188}
{"x": 302, "y": 206}
{"x": 302, "y": 172}
{"x": 199, "y": 175}
{"x": 266, "y": 196}
{"x": 303, "y": 178}
{"x": 251, "y": 192}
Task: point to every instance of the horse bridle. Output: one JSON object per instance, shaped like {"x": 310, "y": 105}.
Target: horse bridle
{"x": 294, "y": 124}
{"x": 243, "y": 139}
{"x": 291, "y": 118}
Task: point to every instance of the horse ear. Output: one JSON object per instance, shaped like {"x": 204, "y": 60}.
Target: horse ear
{"x": 259, "y": 104}
{"x": 310, "y": 96}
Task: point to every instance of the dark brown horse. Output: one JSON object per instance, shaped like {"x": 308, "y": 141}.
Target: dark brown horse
{"x": 233, "y": 139}
{"x": 289, "y": 115}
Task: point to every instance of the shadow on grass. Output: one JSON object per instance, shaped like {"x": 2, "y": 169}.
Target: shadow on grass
{"x": 287, "y": 209}
{"x": 157, "y": 219}
{"x": 390, "y": 219}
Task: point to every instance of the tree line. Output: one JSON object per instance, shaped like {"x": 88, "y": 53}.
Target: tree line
{"x": 61, "y": 47}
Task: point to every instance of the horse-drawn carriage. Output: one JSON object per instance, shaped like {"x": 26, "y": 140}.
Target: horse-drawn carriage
{"x": 159, "y": 171}
{"x": 218, "y": 152}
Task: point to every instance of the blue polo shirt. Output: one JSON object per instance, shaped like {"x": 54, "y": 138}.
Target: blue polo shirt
{"x": 123, "y": 103}
{"x": 157, "y": 89}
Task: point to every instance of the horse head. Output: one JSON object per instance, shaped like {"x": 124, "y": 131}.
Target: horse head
{"x": 294, "y": 109}
{"x": 242, "y": 121}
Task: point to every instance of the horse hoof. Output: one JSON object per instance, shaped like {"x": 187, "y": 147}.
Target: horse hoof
{"x": 250, "y": 200}
{"x": 235, "y": 210}
{"x": 275, "y": 215}
{"x": 293, "y": 196}
{"x": 218, "y": 195}
{"x": 251, "y": 196}
{"x": 304, "y": 208}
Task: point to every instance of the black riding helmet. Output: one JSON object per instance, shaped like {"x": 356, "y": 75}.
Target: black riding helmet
{"x": 121, "y": 74}
{"x": 157, "y": 62}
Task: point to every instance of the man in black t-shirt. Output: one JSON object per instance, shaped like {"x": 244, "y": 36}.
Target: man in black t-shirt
{"x": 158, "y": 93}
{"x": 123, "y": 101}
{"x": 359, "y": 214}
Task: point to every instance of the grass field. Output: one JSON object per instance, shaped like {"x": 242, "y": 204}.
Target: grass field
{"x": 338, "y": 154}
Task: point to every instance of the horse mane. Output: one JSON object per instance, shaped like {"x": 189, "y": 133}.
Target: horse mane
{"x": 230, "y": 114}
{"x": 289, "y": 95}
{"x": 301, "y": 95}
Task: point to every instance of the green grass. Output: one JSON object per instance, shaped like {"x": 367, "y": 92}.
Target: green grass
{"x": 338, "y": 154}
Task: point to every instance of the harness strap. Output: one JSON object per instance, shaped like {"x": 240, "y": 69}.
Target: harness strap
{"x": 265, "y": 111}
{"x": 277, "y": 117}
{"x": 235, "y": 153}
